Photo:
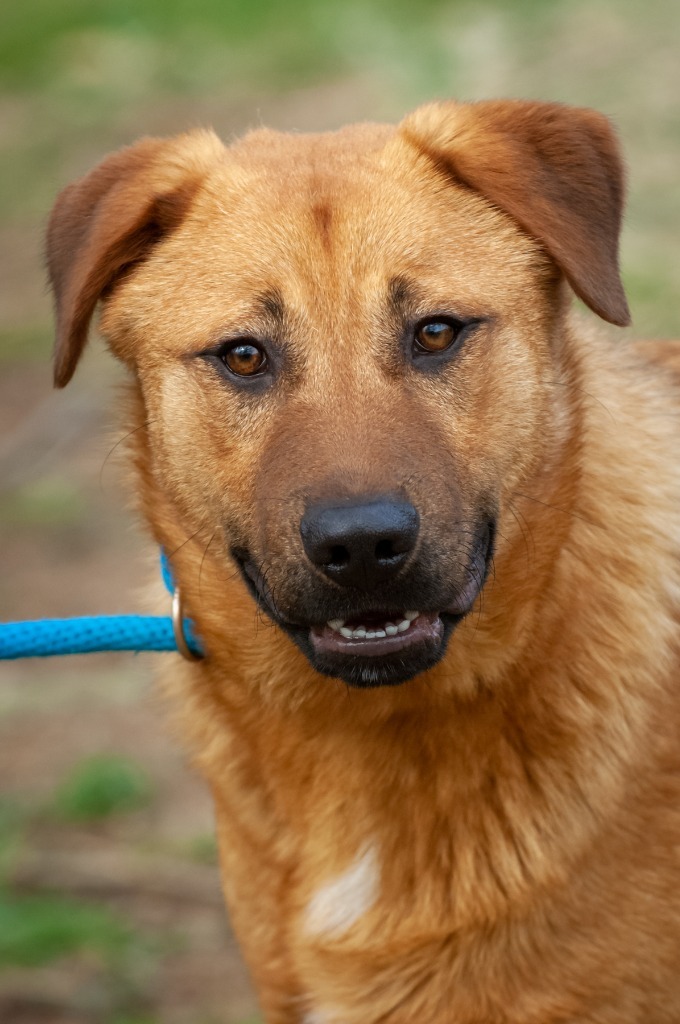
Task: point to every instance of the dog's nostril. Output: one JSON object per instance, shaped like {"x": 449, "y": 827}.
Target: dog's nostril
{"x": 339, "y": 556}
{"x": 384, "y": 551}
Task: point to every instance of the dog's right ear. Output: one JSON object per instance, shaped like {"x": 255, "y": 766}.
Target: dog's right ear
{"x": 556, "y": 170}
{"x": 111, "y": 219}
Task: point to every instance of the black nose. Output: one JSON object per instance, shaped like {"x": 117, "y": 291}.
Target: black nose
{"x": 360, "y": 544}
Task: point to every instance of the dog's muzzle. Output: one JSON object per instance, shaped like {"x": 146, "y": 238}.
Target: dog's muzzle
{"x": 374, "y": 610}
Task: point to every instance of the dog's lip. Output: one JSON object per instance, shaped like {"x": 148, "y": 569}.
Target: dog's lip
{"x": 428, "y": 626}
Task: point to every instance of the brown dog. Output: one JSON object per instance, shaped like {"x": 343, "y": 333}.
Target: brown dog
{"x": 364, "y": 409}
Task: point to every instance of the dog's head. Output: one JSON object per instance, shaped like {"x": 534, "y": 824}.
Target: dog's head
{"x": 342, "y": 343}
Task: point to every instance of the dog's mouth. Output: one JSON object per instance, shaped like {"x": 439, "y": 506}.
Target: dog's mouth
{"x": 372, "y": 634}
{"x": 378, "y": 646}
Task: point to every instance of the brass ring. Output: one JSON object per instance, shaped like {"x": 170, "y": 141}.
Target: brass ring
{"x": 178, "y": 628}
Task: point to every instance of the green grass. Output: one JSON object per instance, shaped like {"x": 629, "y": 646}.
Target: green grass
{"x": 47, "y": 502}
{"x": 650, "y": 290}
{"x": 202, "y": 849}
{"x": 36, "y": 929}
{"x": 27, "y": 343}
{"x": 45, "y": 930}
{"x": 100, "y": 787}
{"x": 12, "y": 817}
{"x": 127, "y": 1018}
{"x": 270, "y": 41}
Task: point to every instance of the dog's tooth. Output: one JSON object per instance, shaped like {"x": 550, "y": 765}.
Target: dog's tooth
{"x": 410, "y": 616}
{"x": 391, "y": 629}
{"x": 336, "y": 624}
{"x": 359, "y": 633}
{"x": 346, "y": 632}
{"x": 370, "y": 634}
{"x": 379, "y": 633}
{"x": 403, "y": 625}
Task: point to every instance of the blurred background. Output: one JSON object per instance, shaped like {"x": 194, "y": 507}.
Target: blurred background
{"x": 110, "y": 909}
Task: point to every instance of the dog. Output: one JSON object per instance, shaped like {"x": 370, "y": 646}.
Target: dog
{"x": 426, "y": 521}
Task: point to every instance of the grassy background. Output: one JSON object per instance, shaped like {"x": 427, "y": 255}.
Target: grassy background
{"x": 109, "y": 900}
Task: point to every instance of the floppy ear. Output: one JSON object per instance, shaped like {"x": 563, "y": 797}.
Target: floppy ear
{"x": 556, "y": 170}
{"x": 110, "y": 220}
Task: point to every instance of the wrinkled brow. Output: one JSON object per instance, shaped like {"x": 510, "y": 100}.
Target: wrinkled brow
{"x": 271, "y": 306}
{"x": 403, "y": 296}
{"x": 267, "y": 313}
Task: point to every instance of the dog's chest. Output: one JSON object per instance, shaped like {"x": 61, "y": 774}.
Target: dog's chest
{"x": 377, "y": 933}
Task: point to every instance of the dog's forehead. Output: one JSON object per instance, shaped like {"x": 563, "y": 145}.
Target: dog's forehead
{"x": 275, "y": 177}
{"x": 361, "y": 202}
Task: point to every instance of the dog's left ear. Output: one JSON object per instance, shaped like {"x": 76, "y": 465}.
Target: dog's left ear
{"x": 556, "y": 170}
{"x": 110, "y": 220}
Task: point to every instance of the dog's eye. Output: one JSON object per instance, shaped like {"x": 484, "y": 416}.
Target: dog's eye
{"x": 245, "y": 358}
{"x": 437, "y": 335}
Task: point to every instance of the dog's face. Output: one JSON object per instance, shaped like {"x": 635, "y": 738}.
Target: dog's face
{"x": 343, "y": 344}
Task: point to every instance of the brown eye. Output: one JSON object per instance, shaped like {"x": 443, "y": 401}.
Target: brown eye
{"x": 245, "y": 358}
{"x": 436, "y": 335}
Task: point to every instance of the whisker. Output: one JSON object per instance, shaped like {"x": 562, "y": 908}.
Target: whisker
{"x": 120, "y": 441}
{"x": 576, "y": 387}
{"x": 200, "y": 568}
{"x": 556, "y": 508}
{"x": 524, "y": 529}
{"x": 172, "y": 554}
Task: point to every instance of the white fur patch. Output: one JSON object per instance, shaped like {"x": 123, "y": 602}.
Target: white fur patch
{"x": 335, "y": 907}
{"x": 315, "y": 1017}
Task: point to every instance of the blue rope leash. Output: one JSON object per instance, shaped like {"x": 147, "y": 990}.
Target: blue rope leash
{"x": 46, "y": 637}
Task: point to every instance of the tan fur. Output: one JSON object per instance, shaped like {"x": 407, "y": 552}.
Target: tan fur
{"x": 502, "y": 831}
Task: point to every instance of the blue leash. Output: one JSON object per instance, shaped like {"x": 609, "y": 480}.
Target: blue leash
{"x": 46, "y": 637}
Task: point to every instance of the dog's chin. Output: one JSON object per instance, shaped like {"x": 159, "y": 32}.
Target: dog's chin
{"x": 376, "y": 647}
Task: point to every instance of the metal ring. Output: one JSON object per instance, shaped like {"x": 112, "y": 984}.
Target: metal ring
{"x": 178, "y": 628}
